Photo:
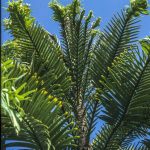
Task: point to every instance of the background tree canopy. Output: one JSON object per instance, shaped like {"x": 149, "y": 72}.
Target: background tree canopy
{"x": 55, "y": 91}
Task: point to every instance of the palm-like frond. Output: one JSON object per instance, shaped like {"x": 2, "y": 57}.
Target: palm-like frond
{"x": 77, "y": 40}
{"x": 42, "y": 125}
{"x": 119, "y": 139}
{"x": 93, "y": 112}
{"x": 102, "y": 138}
{"x": 38, "y": 48}
{"x": 121, "y": 98}
{"x": 141, "y": 68}
{"x": 135, "y": 147}
{"x": 118, "y": 36}
{"x": 37, "y": 132}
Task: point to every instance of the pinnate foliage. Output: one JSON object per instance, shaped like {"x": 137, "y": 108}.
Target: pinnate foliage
{"x": 55, "y": 92}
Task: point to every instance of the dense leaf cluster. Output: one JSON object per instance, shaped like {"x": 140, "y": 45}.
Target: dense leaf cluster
{"x": 55, "y": 92}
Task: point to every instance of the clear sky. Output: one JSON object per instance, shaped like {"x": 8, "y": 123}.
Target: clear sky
{"x": 101, "y": 8}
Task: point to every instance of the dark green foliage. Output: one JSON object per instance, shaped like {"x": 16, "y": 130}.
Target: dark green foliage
{"x": 60, "y": 90}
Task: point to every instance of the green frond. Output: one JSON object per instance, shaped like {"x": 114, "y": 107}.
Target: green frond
{"x": 118, "y": 36}
{"x": 38, "y": 48}
{"x": 111, "y": 138}
{"x": 145, "y": 43}
{"x": 42, "y": 126}
{"x": 102, "y": 138}
{"x": 137, "y": 146}
{"x": 93, "y": 110}
{"x": 77, "y": 45}
{"x": 35, "y": 135}
{"x": 126, "y": 93}
{"x": 108, "y": 138}
{"x": 77, "y": 39}
{"x": 12, "y": 94}
{"x": 132, "y": 135}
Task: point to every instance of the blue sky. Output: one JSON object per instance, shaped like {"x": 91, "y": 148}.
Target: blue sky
{"x": 101, "y": 8}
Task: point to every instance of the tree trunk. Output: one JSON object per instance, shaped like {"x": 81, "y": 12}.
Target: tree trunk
{"x": 82, "y": 123}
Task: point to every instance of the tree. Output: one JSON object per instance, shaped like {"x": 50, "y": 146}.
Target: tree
{"x": 54, "y": 92}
